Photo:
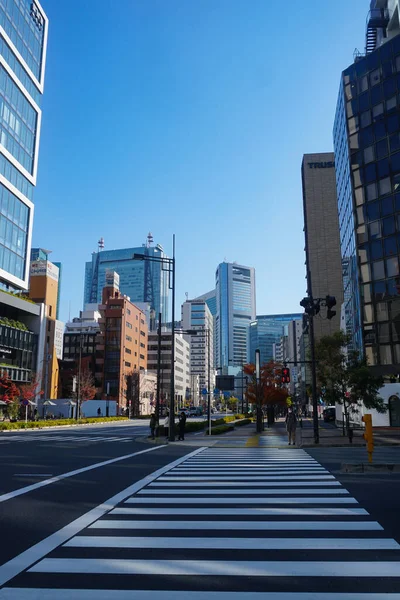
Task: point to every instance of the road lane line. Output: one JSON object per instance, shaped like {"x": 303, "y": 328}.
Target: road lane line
{"x": 221, "y": 543}
{"x": 231, "y": 568}
{"x": 242, "y": 512}
{"x": 240, "y": 525}
{"x": 24, "y": 560}
{"x": 239, "y": 500}
{"x": 251, "y": 492}
{"x": 35, "y": 486}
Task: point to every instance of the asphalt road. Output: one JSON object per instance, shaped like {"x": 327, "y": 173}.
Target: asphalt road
{"x": 235, "y": 520}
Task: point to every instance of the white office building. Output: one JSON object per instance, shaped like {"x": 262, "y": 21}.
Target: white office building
{"x": 197, "y": 316}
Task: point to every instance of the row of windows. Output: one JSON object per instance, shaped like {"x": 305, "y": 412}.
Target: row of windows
{"x": 13, "y": 208}
{"x": 374, "y": 133}
{"x": 15, "y": 177}
{"x": 19, "y": 71}
{"x": 23, "y": 30}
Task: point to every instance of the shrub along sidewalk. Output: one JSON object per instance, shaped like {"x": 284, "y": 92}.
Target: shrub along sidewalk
{"x": 8, "y": 426}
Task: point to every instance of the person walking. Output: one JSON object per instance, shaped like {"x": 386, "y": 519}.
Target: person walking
{"x": 291, "y": 424}
{"x": 153, "y": 425}
{"x": 166, "y": 425}
{"x": 182, "y": 423}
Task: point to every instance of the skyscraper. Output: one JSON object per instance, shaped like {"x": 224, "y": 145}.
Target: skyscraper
{"x": 367, "y": 149}
{"x": 236, "y": 307}
{"x": 196, "y": 315}
{"x": 321, "y": 232}
{"x": 142, "y": 281}
{"x": 267, "y": 331}
{"x": 23, "y": 41}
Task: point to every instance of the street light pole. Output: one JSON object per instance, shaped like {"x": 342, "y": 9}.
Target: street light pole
{"x": 259, "y": 420}
{"x": 172, "y": 390}
{"x": 313, "y": 365}
{"x": 158, "y": 370}
{"x": 207, "y": 331}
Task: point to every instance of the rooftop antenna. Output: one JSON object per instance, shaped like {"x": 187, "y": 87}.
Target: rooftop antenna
{"x": 100, "y": 244}
{"x": 187, "y": 296}
{"x": 149, "y": 240}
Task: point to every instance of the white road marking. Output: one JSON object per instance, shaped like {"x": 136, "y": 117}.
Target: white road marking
{"x": 238, "y": 484}
{"x": 230, "y": 568}
{"x": 240, "y": 525}
{"x": 249, "y": 492}
{"x": 242, "y": 512}
{"x": 238, "y": 478}
{"x": 240, "y": 500}
{"x": 35, "y": 486}
{"x": 21, "y": 562}
{"x": 222, "y": 543}
{"x": 59, "y": 594}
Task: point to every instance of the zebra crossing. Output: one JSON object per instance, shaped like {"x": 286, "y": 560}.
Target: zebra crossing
{"x": 251, "y": 523}
{"x": 61, "y": 439}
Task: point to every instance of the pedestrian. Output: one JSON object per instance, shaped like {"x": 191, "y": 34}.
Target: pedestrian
{"x": 291, "y": 423}
{"x": 99, "y": 412}
{"x": 182, "y": 423}
{"x": 35, "y": 414}
{"x": 166, "y": 425}
{"x": 153, "y": 425}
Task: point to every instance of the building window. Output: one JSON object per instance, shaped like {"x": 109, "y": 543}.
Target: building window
{"x": 128, "y": 350}
{"x": 127, "y": 364}
{"x": 129, "y": 326}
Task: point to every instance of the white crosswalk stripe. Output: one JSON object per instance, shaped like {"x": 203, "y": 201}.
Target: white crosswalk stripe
{"x": 219, "y": 535}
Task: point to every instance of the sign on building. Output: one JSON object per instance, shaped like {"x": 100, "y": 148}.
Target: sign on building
{"x": 44, "y": 268}
{"x": 112, "y": 278}
{"x": 58, "y": 338}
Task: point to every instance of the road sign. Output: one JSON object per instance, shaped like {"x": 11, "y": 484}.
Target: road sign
{"x": 227, "y": 394}
{"x": 204, "y": 391}
{"x": 25, "y": 402}
{"x": 216, "y": 391}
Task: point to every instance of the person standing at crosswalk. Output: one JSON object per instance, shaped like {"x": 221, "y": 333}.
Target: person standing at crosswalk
{"x": 182, "y": 423}
{"x": 166, "y": 425}
{"x": 291, "y": 424}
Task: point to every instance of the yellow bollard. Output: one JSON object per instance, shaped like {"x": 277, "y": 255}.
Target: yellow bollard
{"x": 368, "y": 436}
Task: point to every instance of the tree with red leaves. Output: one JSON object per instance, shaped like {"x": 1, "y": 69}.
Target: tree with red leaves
{"x": 270, "y": 392}
{"x": 10, "y": 394}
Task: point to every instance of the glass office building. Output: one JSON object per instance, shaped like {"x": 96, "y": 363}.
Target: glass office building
{"x": 142, "y": 281}
{"x": 23, "y": 41}
{"x": 236, "y": 308}
{"x": 367, "y": 150}
{"x": 266, "y": 331}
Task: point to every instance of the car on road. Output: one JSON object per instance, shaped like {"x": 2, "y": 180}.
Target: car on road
{"x": 329, "y": 413}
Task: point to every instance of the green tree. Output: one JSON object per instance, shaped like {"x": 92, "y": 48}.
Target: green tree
{"x": 345, "y": 378}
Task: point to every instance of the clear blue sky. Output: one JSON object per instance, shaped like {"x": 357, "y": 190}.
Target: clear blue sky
{"x": 189, "y": 117}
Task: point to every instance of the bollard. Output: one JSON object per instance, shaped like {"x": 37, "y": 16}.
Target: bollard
{"x": 368, "y": 436}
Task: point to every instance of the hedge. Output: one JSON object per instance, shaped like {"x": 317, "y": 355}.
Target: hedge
{"x": 222, "y": 429}
{"x": 6, "y": 425}
{"x": 243, "y": 422}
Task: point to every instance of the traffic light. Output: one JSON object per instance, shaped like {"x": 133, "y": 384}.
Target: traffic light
{"x": 368, "y": 435}
{"x": 285, "y": 375}
{"x": 311, "y": 307}
{"x": 330, "y": 302}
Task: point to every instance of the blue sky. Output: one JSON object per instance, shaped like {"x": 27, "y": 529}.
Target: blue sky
{"x": 189, "y": 117}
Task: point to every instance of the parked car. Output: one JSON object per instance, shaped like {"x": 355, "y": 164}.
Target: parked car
{"x": 329, "y": 413}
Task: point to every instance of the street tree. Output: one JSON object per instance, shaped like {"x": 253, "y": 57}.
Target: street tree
{"x": 269, "y": 392}
{"x": 345, "y": 378}
{"x": 10, "y": 394}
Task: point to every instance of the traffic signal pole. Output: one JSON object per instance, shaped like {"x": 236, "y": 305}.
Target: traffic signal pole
{"x": 314, "y": 380}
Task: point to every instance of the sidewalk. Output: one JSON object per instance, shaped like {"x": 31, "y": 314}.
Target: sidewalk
{"x": 276, "y": 437}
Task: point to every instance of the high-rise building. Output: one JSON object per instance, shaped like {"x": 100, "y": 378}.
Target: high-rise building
{"x": 266, "y": 332}
{"x": 182, "y": 379}
{"x": 321, "y": 231}
{"x": 236, "y": 308}
{"x": 121, "y": 347}
{"x": 197, "y": 316}
{"x": 367, "y": 150}
{"x": 140, "y": 280}
{"x": 42, "y": 254}
{"x": 23, "y": 42}
{"x": 211, "y": 299}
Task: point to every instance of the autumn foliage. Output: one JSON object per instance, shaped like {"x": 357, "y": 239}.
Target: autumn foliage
{"x": 270, "y": 390}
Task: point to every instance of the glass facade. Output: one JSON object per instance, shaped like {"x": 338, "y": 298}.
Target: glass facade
{"x": 22, "y": 48}
{"x": 266, "y": 331}
{"x": 367, "y": 148}
{"x": 235, "y": 301}
{"x": 25, "y": 26}
{"x": 142, "y": 281}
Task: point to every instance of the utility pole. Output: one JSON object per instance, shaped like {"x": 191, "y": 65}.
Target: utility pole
{"x": 258, "y": 399}
{"x": 172, "y": 390}
{"x": 158, "y": 371}
{"x": 207, "y": 331}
